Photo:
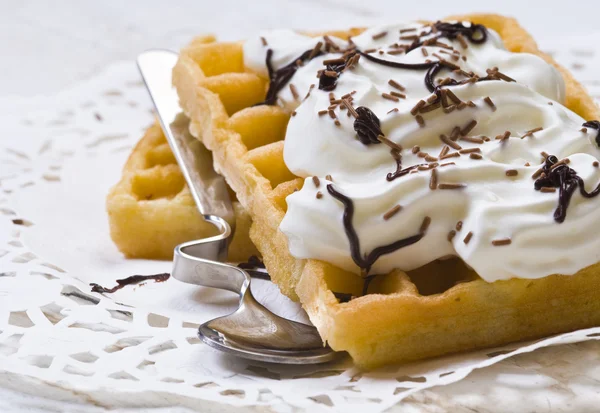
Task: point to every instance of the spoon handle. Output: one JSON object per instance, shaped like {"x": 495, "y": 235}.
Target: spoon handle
{"x": 196, "y": 262}
{"x": 207, "y": 187}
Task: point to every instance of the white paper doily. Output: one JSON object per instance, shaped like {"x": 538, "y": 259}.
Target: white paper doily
{"x": 138, "y": 347}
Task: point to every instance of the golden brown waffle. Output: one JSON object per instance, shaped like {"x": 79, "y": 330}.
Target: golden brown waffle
{"x": 440, "y": 308}
{"x": 151, "y": 209}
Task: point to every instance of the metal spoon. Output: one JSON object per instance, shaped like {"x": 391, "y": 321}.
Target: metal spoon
{"x": 252, "y": 331}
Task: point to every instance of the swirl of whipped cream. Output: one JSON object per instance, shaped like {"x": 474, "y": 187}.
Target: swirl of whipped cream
{"x": 486, "y": 185}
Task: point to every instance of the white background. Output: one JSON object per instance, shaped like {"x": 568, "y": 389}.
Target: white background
{"x": 46, "y": 45}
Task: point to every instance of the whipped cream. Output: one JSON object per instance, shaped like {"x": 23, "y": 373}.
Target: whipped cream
{"x": 493, "y": 206}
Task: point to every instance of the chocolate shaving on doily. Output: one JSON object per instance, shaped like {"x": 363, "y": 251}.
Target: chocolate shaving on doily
{"x": 134, "y": 279}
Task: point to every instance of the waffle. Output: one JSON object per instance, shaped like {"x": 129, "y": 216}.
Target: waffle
{"x": 151, "y": 209}
{"x": 440, "y": 308}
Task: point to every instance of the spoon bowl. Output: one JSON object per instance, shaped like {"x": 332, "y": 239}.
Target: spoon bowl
{"x": 252, "y": 331}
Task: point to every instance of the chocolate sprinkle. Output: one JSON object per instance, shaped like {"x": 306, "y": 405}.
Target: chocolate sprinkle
{"x": 351, "y": 109}
{"x": 475, "y": 156}
{"x": 336, "y": 61}
{"x": 397, "y": 85}
{"x": 390, "y": 97}
{"x": 417, "y": 107}
{"x": 392, "y": 212}
{"x": 472, "y": 139}
{"x": 450, "y": 142}
{"x": 468, "y": 128}
{"x": 451, "y": 186}
{"x": 433, "y": 180}
{"x": 379, "y": 35}
{"x": 393, "y": 145}
{"x": 444, "y": 151}
{"x": 468, "y": 237}
{"x": 450, "y": 155}
{"x": 452, "y": 96}
{"x": 490, "y": 103}
{"x": 500, "y": 242}
{"x": 398, "y": 95}
{"x": 316, "y": 181}
{"x": 455, "y": 133}
{"x": 531, "y": 132}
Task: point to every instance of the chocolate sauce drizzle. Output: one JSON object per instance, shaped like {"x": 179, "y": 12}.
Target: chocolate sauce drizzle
{"x": 594, "y": 124}
{"x": 432, "y": 68}
{"x": 280, "y": 77}
{"x": 134, "y": 279}
{"x": 367, "y": 126}
{"x": 401, "y": 172}
{"x": 369, "y": 259}
{"x": 476, "y": 33}
{"x": 327, "y": 80}
{"x": 566, "y": 180}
